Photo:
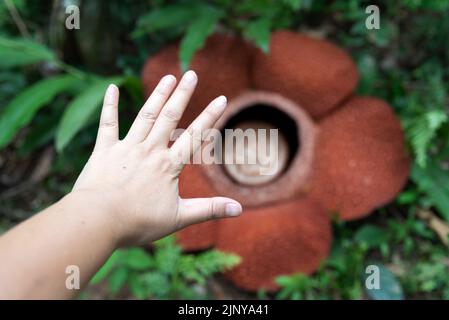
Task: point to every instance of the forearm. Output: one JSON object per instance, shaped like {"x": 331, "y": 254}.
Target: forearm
{"x": 35, "y": 254}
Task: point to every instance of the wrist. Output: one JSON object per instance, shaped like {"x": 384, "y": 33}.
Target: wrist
{"x": 98, "y": 212}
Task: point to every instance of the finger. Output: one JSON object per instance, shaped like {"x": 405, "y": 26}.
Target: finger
{"x": 108, "y": 129}
{"x": 190, "y": 140}
{"x": 172, "y": 111}
{"x": 198, "y": 210}
{"x": 150, "y": 110}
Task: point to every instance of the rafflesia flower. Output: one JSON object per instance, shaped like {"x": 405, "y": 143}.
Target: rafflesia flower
{"x": 338, "y": 153}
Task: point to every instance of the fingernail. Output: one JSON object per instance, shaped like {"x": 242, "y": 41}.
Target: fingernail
{"x": 111, "y": 92}
{"x": 190, "y": 77}
{"x": 111, "y": 89}
{"x": 233, "y": 209}
{"x": 220, "y": 102}
{"x": 167, "y": 83}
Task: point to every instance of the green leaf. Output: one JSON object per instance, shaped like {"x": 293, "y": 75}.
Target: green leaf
{"x": 389, "y": 286}
{"x": 134, "y": 88}
{"x": 421, "y": 130}
{"x": 407, "y": 197}
{"x": 138, "y": 259}
{"x": 293, "y": 4}
{"x": 167, "y": 255}
{"x": 434, "y": 182}
{"x": 118, "y": 279}
{"x": 258, "y": 31}
{"x": 294, "y": 286}
{"x": 106, "y": 268}
{"x": 371, "y": 235}
{"x": 197, "y": 33}
{"x": 199, "y": 267}
{"x": 80, "y": 109}
{"x": 41, "y": 133}
{"x": 136, "y": 286}
{"x": 157, "y": 283}
{"x": 166, "y": 17}
{"x": 20, "y": 111}
{"x": 369, "y": 73}
{"x": 18, "y": 52}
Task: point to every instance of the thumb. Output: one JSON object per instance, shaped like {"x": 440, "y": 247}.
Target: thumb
{"x": 198, "y": 210}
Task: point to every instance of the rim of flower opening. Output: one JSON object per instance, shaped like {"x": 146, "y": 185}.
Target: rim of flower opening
{"x": 296, "y": 141}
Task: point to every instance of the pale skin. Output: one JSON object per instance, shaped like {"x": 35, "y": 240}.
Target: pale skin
{"x": 127, "y": 194}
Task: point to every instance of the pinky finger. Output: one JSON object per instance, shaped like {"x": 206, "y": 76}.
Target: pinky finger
{"x": 108, "y": 129}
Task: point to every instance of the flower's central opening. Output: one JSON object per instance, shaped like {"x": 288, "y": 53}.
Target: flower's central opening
{"x": 272, "y": 160}
{"x": 268, "y": 139}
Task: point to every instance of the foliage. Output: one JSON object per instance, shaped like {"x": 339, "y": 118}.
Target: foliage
{"x": 425, "y": 114}
{"x": 21, "y": 110}
{"x": 343, "y": 275}
{"x": 430, "y": 275}
{"x": 433, "y": 182}
{"x": 87, "y": 90}
{"x": 19, "y": 52}
{"x": 52, "y": 81}
{"x": 338, "y": 278}
{"x": 253, "y": 19}
{"x": 164, "y": 274}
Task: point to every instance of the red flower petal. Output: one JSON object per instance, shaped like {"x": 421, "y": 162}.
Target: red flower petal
{"x": 198, "y": 237}
{"x": 193, "y": 184}
{"x": 360, "y": 159}
{"x": 222, "y": 68}
{"x": 283, "y": 239}
{"x": 314, "y": 73}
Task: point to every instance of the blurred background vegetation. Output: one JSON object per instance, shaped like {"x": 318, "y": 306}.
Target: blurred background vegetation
{"x": 51, "y": 86}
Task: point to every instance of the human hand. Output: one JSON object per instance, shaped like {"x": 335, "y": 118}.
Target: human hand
{"x": 136, "y": 178}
